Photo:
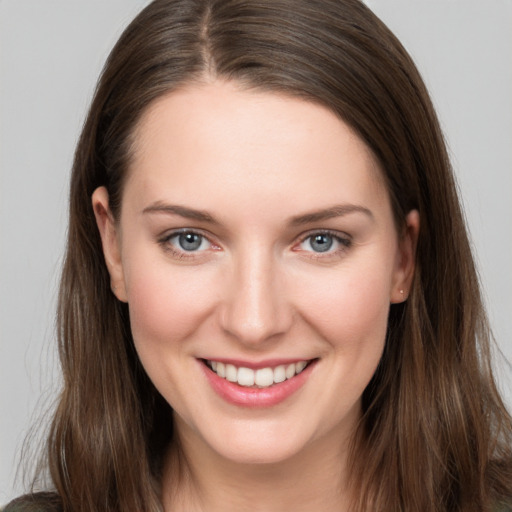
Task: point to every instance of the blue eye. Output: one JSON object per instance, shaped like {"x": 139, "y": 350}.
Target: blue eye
{"x": 321, "y": 242}
{"x": 187, "y": 241}
{"x": 190, "y": 241}
{"x": 324, "y": 243}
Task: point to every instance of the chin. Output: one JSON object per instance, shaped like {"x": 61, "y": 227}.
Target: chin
{"x": 257, "y": 455}
{"x": 258, "y": 444}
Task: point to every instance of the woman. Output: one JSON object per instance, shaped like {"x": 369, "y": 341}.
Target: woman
{"x": 268, "y": 299}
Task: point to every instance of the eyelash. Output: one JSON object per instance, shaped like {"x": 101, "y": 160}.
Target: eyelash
{"x": 344, "y": 241}
{"x": 182, "y": 254}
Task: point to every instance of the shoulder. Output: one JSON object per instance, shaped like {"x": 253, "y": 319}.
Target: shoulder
{"x": 37, "y": 502}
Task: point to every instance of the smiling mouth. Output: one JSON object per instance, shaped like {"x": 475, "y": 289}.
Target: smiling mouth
{"x": 261, "y": 378}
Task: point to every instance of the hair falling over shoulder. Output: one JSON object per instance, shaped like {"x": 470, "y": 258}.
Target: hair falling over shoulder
{"x": 435, "y": 434}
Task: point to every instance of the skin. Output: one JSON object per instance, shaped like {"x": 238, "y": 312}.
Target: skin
{"x": 256, "y": 289}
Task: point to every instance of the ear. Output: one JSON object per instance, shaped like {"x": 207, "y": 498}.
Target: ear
{"x": 110, "y": 241}
{"x": 406, "y": 257}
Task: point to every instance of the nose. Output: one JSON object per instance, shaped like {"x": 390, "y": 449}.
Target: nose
{"x": 256, "y": 308}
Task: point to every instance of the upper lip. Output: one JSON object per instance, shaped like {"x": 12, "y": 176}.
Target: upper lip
{"x": 256, "y": 365}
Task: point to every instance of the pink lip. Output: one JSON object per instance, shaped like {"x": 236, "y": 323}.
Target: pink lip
{"x": 254, "y": 397}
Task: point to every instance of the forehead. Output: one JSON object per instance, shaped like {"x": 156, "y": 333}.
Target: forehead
{"x": 220, "y": 140}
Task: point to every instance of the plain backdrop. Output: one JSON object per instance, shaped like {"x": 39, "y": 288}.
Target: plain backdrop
{"x": 51, "y": 52}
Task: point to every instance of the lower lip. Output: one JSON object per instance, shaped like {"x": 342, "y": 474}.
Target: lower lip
{"x": 256, "y": 397}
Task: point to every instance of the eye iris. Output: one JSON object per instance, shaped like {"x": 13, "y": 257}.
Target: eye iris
{"x": 321, "y": 243}
{"x": 190, "y": 241}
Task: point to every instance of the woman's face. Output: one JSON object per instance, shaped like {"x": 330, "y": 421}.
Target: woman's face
{"x": 255, "y": 238}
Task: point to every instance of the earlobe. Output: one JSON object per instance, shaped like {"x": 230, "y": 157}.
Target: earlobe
{"x": 406, "y": 258}
{"x": 110, "y": 241}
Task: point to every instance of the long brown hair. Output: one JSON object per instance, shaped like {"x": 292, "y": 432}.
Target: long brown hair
{"x": 435, "y": 435}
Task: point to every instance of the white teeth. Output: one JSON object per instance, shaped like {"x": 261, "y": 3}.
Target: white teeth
{"x": 263, "y": 377}
{"x": 290, "y": 371}
{"x": 221, "y": 370}
{"x": 279, "y": 374}
{"x": 231, "y": 373}
{"x": 245, "y": 377}
{"x": 300, "y": 366}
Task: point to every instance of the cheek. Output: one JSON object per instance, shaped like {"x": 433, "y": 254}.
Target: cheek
{"x": 166, "y": 306}
{"x": 348, "y": 307}
{"x": 351, "y": 316}
{"x": 166, "y": 303}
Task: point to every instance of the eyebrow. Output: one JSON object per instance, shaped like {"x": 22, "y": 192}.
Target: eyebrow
{"x": 299, "y": 220}
{"x": 330, "y": 213}
{"x": 182, "y": 211}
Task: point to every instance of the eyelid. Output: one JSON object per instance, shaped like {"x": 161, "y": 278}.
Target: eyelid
{"x": 164, "y": 241}
{"x": 168, "y": 234}
{"x": 340, "y": 235}
{"x": 344, "y": 239}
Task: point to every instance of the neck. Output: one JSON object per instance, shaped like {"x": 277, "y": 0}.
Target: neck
{"x": 197, "y": 479}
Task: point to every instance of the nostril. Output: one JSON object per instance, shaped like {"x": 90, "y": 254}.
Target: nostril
{"x": 252, "y": 327}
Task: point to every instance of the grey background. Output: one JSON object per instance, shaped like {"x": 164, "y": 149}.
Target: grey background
{"x": 51, "y": 52}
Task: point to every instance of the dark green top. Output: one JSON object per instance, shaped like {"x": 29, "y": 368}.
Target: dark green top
{"x": 38, "y": 502}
